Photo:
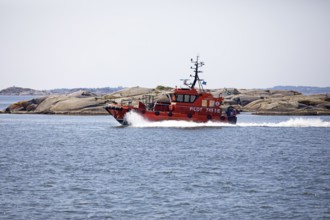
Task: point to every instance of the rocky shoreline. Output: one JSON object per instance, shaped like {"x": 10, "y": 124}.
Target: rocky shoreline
{"x": 256, "y": 101}
{"x": 280, "y": 102}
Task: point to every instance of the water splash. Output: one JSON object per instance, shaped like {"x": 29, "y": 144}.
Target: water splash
{"x": 292, "y": 122}
{"x": 136, "y": 120}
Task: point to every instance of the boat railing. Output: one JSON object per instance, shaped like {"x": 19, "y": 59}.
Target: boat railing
{"x": 126, "y": 102}
{"x": 149, "y": 101}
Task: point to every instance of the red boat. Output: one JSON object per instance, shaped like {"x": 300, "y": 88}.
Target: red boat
{"x": 188, "y": 104}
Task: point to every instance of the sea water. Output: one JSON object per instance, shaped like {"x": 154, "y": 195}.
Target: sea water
{"x": 90, "y": 167}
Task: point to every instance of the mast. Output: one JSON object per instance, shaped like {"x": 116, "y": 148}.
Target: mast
{"x": 197, "y": 64}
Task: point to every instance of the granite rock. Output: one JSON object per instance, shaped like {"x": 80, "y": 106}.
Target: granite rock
{"x": 257, "y": 101}
{"x": 291, "y": 105}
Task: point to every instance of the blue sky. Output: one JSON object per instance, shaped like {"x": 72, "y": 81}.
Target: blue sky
{"x": 47, "y": 44}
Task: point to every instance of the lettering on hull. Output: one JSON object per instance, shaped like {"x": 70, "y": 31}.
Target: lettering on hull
{"x": 196, "y": 109}
{"x": 209, "y": 110}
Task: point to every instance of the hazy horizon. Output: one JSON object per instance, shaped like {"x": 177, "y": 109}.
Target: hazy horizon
{"x": 244, "y": 44}
{"x": 205, "y": 87}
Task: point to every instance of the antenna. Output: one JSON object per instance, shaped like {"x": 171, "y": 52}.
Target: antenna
{"x": 186, "y": 82}
{"x": 196, "y": 65}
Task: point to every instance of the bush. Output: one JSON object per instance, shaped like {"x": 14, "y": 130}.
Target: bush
{"x": 163, "y": 87}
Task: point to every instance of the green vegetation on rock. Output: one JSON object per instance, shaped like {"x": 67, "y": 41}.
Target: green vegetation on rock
{"x": 160, "y": 87}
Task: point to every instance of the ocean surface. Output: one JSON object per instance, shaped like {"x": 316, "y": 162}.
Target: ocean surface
{"x": 90, "y": 167}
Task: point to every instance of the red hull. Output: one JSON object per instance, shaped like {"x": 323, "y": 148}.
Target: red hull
{"x": 119, "y": 113}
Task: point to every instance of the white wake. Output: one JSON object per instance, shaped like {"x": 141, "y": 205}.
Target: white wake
{"x": 292, "y": 122}
{"x": 136, "y": 120}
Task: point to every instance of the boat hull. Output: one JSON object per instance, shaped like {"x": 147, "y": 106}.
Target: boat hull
{"x": 119, "y": 114}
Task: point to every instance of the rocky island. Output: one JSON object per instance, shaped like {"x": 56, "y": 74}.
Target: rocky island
{"x": 19, "y": 91}
{"x": 256, "y": 101}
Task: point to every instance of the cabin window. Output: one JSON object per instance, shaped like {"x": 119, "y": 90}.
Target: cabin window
{"x": 186, "y": 98}
{"x": 192, "y": 98}
{"x": 211, "y": 103}
{"x": 179, "y": 98}
{"x": 204, "y": 103}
